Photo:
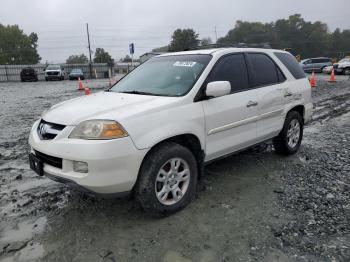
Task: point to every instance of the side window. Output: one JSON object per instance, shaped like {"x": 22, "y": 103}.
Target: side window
{"x": 292, "y": 64}
{"x": 231, "y": 68}
{"x": 264, "y": 70}
{"x": 281, "y": 77}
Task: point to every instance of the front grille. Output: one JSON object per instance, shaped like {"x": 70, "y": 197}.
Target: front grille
{"x": 52, "y": 73}
{"x": 50, "y": 160}
{"x": 48, "y": 131}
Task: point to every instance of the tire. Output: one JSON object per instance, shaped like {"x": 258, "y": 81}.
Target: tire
{"x": 289, "y": 144}
{"x": 155, "y": 177}
{"x": 346, "y": 71}
{"x": 46, "y": 79}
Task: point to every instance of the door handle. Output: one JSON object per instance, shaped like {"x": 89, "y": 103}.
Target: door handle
{"x": 252, "y": 103}
{"x": 287, "y": 94}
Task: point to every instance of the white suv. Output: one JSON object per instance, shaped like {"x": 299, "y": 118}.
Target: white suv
{"x": 54, "y": 72}
{"x": 152, "y": 133}
{"x": 343, "y": 66}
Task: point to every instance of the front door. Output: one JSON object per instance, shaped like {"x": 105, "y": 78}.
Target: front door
{"x": 231, "y": 119}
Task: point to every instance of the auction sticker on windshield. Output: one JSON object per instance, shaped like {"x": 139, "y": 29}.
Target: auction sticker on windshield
{"x": 184, "y": 63}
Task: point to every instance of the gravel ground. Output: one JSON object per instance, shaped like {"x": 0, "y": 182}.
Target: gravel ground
{"x": 253, "y": 206}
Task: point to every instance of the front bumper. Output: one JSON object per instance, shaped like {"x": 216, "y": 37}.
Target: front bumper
{"x": 72, "y": 77}
{"x": 53, "y": 76}
{"x": 113, "y": 165}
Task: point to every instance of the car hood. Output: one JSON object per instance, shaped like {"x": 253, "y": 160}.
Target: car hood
{"x": 104, "y": 105}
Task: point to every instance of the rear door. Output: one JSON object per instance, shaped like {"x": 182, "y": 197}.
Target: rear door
{"x": 272, "y": 93}
{"x": 231, "y": 119}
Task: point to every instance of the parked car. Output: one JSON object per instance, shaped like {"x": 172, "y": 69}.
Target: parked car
{"x": 75, "y": 74}
{"x": 28, "y": 74}
{"x": 343, "y": 66}
{"x": 315, "y": 64}
{"x": 152, "y": 133}
{"x": 327, "y": 69}
{"x": 54, "y": 72}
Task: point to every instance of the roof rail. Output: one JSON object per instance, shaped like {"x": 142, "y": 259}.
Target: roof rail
{"x": 237, "y": 45}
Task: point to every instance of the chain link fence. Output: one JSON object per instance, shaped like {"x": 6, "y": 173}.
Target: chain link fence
{"x": 12, "y": 72}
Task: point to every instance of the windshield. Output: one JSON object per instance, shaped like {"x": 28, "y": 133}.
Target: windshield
{"x": 164, "y": 76}
{"x": 76, "y": 71}
{"x": 53, "y": 68}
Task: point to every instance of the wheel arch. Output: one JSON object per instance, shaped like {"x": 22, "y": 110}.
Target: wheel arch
{"x": 300, "y": 109}
{"x": 190, "y": 141}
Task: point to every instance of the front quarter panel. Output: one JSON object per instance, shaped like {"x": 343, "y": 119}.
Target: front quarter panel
{"x": 147, "y": 130}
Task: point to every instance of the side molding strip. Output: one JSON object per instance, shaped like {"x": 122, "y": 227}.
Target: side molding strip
{"x": 245, "y": 121}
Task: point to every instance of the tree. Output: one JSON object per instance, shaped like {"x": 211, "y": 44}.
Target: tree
{"x": 101, "y": 56}
{"x": 77, "y": 59}
{"x": 308, "y": 39}
{"x": 126, "y": 59}
{"x": 16, "y": 47}
{"x": 162, "y": 49}
{"x": 206, "y": 41}
{"x": 183, "y": 39}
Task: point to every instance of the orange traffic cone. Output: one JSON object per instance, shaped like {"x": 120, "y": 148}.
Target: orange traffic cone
{"x": 332, "y": 78}
{"x": 80, "y": 84}
{"x": 312, "y": 80}
{"x": 86, "y": 89}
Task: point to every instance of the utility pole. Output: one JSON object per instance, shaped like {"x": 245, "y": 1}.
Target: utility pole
{"x": 88, "y": 36}
{"x": 216, "y": 36}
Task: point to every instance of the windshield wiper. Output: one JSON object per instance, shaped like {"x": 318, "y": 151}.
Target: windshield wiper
{"x": 140, "y": 93}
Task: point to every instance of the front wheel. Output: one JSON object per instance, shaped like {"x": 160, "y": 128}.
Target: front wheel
{"x": 289, "y": 139}
{"x": 346, "y": 71}
{"x": 167, "y": 180}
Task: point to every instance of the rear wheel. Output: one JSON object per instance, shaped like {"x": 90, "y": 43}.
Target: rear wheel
{"x": 167, "y": 180}
{"x": 289, "y": 139}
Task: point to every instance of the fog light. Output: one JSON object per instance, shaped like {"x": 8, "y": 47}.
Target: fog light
{"x": 80, "y": 167}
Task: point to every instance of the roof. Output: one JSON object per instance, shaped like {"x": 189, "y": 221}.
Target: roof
{"x": 153, "y": 53}
{"x": 222, "y": 50}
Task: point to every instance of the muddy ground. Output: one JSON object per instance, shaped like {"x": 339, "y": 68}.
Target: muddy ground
{"x": 253, "y": 206}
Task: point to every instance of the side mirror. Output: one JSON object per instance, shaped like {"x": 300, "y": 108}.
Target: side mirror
{"x": 218, "y": 88}
{"x": 44, "y": 69}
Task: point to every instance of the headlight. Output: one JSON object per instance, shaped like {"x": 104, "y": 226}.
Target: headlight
{"x": 98, "y": 129}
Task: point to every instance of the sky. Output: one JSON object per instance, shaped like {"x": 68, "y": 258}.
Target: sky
{"x": 113, "y": 24}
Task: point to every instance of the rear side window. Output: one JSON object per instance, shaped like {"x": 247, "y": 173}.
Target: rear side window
{"x": 292, "y": 64}
{"x": 231, "y": 68}
{"x": 264, "y": 70}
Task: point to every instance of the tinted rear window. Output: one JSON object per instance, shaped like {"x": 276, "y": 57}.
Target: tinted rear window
{"x": 28, "y": 70}
{"x": 264, "y": 70}
{"x": 291, "y": 63}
